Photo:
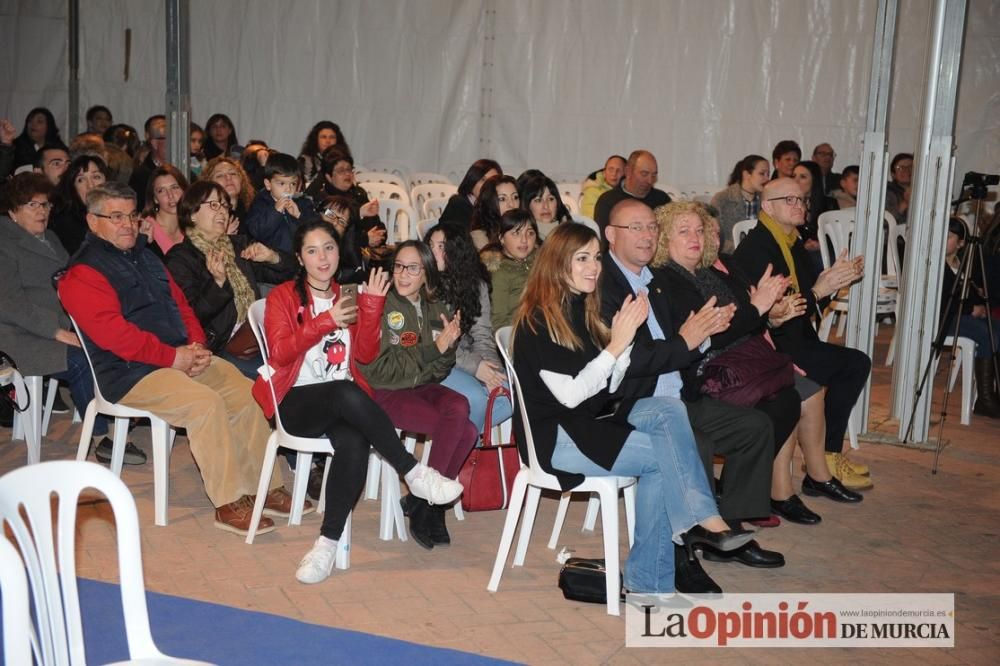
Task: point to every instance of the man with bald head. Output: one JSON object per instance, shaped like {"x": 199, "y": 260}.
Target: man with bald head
{"x": 744, "y": 436}
{"x": 641, "y": 172}
{"x": 843, "y": 371}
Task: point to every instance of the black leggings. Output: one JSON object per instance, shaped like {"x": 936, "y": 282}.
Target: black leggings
{"x": 345, "y": 414}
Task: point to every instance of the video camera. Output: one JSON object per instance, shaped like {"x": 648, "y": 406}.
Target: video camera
{"x": 978, "y": 182}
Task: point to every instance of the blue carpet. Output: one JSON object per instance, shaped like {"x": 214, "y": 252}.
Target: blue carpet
{"x": 224, "y": 635}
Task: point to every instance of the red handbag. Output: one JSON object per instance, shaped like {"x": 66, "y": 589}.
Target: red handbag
{"x": 489, "y": 471}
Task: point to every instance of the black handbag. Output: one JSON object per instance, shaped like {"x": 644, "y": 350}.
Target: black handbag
{"x": 583, "y": 579}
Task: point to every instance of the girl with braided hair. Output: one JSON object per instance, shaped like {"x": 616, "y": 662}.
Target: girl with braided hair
{"x": 316, "y": 337}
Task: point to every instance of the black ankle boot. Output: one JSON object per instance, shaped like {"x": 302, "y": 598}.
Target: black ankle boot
{"x": 988, "y": 402}
{"x": 420, "y": 523}
{"x": 436, "y": 526}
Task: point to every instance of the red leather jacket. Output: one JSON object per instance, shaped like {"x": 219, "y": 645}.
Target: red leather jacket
{"x": 288, "y": 340}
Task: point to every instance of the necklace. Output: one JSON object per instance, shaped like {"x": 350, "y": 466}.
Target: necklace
{"x": 320, "y": 289}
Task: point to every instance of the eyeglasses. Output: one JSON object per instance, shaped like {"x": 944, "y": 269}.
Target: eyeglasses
{"x": 411, "y": 269}
{"x": 639, "y": 228}
{"x": 337, "y": 219}
{"x": 216, "y": 205}
{"x": 790, "y": 200}
{"x": 119, "y": 219}
{"x": 39, "y": 205}
{"x": 903, "y": 167}
{"x": 343, "y": 171}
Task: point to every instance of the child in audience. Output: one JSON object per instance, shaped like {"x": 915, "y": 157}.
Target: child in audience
{"x": 509, "y": 262}
{"x": 280, "y": 207}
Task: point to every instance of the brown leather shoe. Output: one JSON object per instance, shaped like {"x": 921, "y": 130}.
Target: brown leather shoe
{"x": 279, "y": 503}
{"x": 235, "y": 517}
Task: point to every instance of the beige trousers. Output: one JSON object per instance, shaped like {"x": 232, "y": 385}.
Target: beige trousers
{"x": 225, "y": 426}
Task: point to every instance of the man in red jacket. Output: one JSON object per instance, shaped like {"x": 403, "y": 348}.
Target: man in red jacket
{"x": 148, "y": 352}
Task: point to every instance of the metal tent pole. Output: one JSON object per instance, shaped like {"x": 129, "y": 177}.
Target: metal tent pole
{"x": 178, "y": 99}
{"x": 871, "y": 197}
{"x": 928, "y": 218}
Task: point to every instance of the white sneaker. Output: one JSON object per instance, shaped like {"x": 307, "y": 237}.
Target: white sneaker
{"x": 317, "y": 565}
{"x": 428, "y": 484}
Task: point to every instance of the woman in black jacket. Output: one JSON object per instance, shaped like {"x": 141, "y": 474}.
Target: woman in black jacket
{"x": 459, "y": 208}
{"x": 219, "y": 273}
{"x": 69, "y": 218}
{"x": 39, "y": 130}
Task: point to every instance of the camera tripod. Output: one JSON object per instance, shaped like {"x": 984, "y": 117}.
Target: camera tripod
{"x": 957, "y": 299}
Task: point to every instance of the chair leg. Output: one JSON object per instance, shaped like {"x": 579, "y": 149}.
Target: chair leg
{"x": 32, "y": 419}
{"x": 266, "y": 470}
{"x": 593, "y": 506}
{"x": 160, "y": 431}
{"x": 118, "y": 450}
{"x": 527, "y": 523}
{"x": 629, "y": 493}
{"x": 890, "y": 357}
{"x": 968, "y": 391}
{"x": 509, "y": 525}
{"x": 459, "y": 511}
{"x": 842, "y": 324}
{"x": 86, "y": 431}
{"x": 825, "y": 325}
{"x": 391, "y": 513}
{"x": 852, "y": 432}
{"x": 303, "y": 464}
{"x": 560, "y": 519}
{"x": 50, "y": 401}
{"x": 321, "y": 502}
{"x": 374, "y": 469}
{"x": 609, "y": 521}
{"x": 343, "y": 560}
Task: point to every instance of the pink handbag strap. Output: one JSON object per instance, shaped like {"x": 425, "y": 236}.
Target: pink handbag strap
{"x": 498, "y": 392}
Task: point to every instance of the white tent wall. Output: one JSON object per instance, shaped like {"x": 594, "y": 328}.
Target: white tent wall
{"x": 700, "y": 82}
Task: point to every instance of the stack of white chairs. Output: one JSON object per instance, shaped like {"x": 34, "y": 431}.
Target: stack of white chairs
{"x": 570, "y": 193}
{"x": 427, "y": 178}
{"x": 394, "y": 167}
{"x": 741, "y": 229}
{"x": 385, "y": 191}
{"x": 420, "y": 195}
{"x": 674, "y": 192}
{"x": 698, "y": 192}
{"x": 399, "y": 218}
{"x": 49, "y": 557}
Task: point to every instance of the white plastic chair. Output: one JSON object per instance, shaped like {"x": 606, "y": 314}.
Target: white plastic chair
{"x": 392, "y": 167}
{"x": 570, "y": 194}
{"x": 531, "y": 480}
{"x": 33, "y": 424}
{"x": 161, "y": 433}
{"x": 423, "y": 226}
{"x": 363, "y": 178}
{"x": 674, "y": 192}
{"x": 17, "y": 631}
{"x": 434, "y": 206}
{"x": 586, "y": 221}
{"x": 304, "y": 447}
{"x": 741, "y": 229}
{"x": 421, "y": 194}
{"x": 428, "y": 177}
{"x": 50, "y": 556}
{"x": 386, "y": 191}
{"x": 399, "y": 218}
{"x": 698, "y": 192}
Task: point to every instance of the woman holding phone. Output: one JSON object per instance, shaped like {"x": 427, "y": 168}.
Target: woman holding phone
{"x": 317, "y": 336}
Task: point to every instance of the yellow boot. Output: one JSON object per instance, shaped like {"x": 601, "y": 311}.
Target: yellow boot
{"x": 846, "y": 472}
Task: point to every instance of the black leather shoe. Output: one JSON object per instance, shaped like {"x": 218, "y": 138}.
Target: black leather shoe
{"x": 689, "y": 577}
{"x": 730, "y": 539}
{"x": 794, "y": 511}
{"x": 833, "y": 489}
{"x": 752, "y": 555}
{"x": 436, "y": 526}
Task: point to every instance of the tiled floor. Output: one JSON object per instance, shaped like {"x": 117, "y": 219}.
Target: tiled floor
{"x": 913, "y": 533}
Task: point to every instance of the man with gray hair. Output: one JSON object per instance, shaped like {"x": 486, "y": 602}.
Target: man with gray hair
{"x": 641, "y": 173}
{"x": 148, "y": 352}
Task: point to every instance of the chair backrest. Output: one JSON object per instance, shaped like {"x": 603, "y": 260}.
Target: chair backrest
{"x": 399, "y": 218}
{"x": 362, "y": 177}
{"x": 503, "y": 336}
{"x": 385, "y": 191}
{"x": 741, "y": 229}
{"x": 50, "y": 555}
{"x": 434, "y": 206}
{"x": 393, "y": 167}
{"x": 836, "y": 231}
{"x": 90, "y": 364}
{"x": 570, "y": 193}
{"x": 586, "y": 221}
{"x": 894, "y": 233}
{"x": 421, "y": 194}
{"x": 255, "y": 317}
{"x": 698, "y": 192}
{"x": 674, "y": 192}
{"x": 17, "y": 630}
{"x": 423, "y": 226}
{"x": 429, "y": 177}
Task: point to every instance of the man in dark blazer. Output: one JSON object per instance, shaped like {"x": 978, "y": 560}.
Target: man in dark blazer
{"x": 744, "y": 436}
{"x": 842, "y": 370}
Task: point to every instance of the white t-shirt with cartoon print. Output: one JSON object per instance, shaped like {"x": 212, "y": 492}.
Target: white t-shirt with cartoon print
{"x": 330, "y": 359}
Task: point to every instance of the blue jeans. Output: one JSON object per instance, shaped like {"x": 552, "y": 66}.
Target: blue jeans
{"x": 81, "y": 386}
{"x": 248, "y": 368}
{"x": 978, "y": 331}
{"x": 672, "y": 494}
{"x": 475, "y": 392}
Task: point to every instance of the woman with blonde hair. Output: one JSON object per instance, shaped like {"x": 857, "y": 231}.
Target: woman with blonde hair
{"x": 687, "y": 260}
{"x": 229, "y": 173}
{"x": 569, "y": 364}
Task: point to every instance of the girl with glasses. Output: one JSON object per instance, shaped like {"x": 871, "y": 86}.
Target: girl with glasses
{"x": 419, "y": 336}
